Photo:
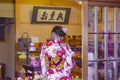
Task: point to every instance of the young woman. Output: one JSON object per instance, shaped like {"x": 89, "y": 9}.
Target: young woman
{"x": 56, "y": 56}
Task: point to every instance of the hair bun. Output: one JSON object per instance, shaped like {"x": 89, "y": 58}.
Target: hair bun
{"x": 60, "y": 31}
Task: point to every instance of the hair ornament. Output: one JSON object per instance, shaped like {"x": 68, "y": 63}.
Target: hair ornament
{"x": 64, "y": 30}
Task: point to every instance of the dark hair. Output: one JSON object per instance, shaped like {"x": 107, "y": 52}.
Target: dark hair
{"x": 58, "y": 30}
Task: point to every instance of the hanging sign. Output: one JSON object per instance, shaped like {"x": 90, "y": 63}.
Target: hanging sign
{"x": 50, "y": 15}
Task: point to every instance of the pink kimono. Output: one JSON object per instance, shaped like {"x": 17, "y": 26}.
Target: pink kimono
{"x": 56, "y": 60}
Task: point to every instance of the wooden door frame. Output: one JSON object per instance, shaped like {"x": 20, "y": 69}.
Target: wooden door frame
{"x": 85, "y": 4}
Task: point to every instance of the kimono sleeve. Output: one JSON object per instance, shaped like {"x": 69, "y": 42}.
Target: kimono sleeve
{"x": 42, "y": 60}
{"x": 69, "y": 61}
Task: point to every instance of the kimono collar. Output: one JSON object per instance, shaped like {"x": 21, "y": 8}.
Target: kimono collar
{"x": 56, "y": 40}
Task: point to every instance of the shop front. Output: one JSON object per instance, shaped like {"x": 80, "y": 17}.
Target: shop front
{"x": 34, "y": 22}
{"x": 93, "y": 35}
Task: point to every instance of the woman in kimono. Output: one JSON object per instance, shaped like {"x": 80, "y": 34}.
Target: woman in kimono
{"x": 56, "y": 56}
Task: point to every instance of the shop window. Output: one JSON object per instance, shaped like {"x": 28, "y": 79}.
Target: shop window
{"x": 104, "y": 45}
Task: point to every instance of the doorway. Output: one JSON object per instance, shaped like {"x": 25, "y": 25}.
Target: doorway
{"x": 7, "y": 36}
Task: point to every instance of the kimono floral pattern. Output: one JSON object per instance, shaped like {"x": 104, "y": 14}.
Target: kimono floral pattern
{"x": 56, "y": 60}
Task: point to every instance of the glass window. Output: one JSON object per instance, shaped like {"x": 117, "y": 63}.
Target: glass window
{"x": 103, "y": 44}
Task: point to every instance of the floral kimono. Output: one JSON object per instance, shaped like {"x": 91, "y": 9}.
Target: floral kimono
{"x": 56, "y": 60}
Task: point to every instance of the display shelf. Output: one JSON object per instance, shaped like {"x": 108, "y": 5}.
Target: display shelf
{"x": 73, "y": 41}
{"x": 77, "y": 72}
{"x": 21, "y": 57}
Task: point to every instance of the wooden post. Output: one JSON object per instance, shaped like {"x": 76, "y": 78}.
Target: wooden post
{"x": 17, "y": 18}
{"x": 85, "y": 40}
{"x": 17, "y": 25}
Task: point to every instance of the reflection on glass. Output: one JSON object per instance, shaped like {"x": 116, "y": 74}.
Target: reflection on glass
{"x": 118, "y": 38}
{"x": 91, "y": 43}
{"x": 110, "y": 69}
{"x": 118, "y": 71}
{"x": 110, "y": 44}
{"x": 101, "y": 70}
{"x": 107, "y": 50}
{"x": 91, "y": 66}
{"x": 100, "y": 50}
{"x": 91, "y": 46}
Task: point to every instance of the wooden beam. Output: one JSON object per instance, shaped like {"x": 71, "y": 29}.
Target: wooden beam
{"x": 7, "y": 1}
{"x": 85, "y": 40}
{"x": 110, "y": 1}
{"x": 17, "y": 18}
{"x": 104, "y": 3}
